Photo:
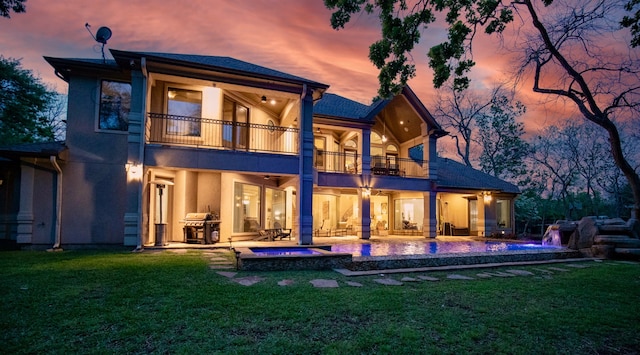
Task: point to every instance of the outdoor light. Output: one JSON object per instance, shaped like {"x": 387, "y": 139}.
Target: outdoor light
{"x": 366, "y": 191}
{"x": 264, "y": 99}
{"x": 134, "y": 171}
{"x": 273, "y": 101}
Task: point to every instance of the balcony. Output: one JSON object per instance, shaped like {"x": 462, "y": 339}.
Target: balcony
{"x": 394, "y": 166}
{"x": 217, "y": 134}
{"x": 336, "y": 162}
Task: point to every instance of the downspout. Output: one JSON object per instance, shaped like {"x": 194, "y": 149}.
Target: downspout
{"x": 54, "y": 162}
{"x": 143, "y": 132}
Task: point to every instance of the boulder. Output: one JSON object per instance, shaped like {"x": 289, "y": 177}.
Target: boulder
{"x": 582, "y": 236}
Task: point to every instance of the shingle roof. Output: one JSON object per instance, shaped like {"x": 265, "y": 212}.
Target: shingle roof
{"x": 452, "y": 174}
{"x": 337, "y": 106}
{"x": 33, "y": 149}
{"x": 226, "y": 63}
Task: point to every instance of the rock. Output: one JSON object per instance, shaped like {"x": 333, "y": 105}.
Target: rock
{"x": 583, "y": 236}
{"x": 603, "y": 251}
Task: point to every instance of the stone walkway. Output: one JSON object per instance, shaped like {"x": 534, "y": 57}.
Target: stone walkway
{"x": 227, "y": 268}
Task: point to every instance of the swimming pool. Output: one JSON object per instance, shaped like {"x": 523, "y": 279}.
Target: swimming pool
{"x": 432, "y": 247}
{"x": 269, "y": 251}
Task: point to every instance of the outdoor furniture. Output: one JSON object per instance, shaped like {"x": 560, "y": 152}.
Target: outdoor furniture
{"x": 281, "y": 232}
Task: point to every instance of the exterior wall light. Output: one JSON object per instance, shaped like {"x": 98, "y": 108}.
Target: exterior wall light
{"x": 134, "y": 171}
{"x": 366, "y": 191}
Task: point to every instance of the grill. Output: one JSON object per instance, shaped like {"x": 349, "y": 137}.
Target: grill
{"x": 201, "y": 228}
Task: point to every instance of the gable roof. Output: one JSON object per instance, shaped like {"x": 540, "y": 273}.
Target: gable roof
{"x": 454, "y": 175}
{"x": 223, "y": 64}
{"x": 337, "y": 106}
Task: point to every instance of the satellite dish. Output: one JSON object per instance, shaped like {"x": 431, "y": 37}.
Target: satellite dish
{"x": 103, "y": 35}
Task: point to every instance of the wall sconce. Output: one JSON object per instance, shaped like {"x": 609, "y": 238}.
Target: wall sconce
{"x": 134, "y": 171}
{"x": 366, "y": 191}
{"x": 486, "y": 196}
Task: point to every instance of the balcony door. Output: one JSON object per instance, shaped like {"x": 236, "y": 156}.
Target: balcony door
{"x": 235, "y": 132}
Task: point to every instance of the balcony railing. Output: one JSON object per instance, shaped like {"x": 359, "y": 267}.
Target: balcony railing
{"x": 219, "y": 134}
{"x": 337, "y": 162}
{"x": 399, "y": 166}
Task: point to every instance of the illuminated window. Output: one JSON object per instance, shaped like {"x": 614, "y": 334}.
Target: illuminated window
{"x": 246, "y": 210}
{"x": 503, "y": 213}
{"x": 184, "y": 108}
{"x": 115, "y": 103}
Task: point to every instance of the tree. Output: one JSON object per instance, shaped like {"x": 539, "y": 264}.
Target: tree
{"x": 24, "y": 105}
{"x": 563, "y": 51}
{"x": 458, "y": 112}
{"x": 500, "y": 136}
{"x": 6, "y": 6}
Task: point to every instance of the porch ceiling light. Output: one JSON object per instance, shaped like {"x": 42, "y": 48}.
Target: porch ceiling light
{"x": 263, "y": 99}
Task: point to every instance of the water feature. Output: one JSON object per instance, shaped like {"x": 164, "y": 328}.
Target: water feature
{"x": 552, "y": 236}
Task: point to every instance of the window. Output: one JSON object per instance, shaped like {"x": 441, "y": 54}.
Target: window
{"x": 408, "y": 213}
{"x": 417, "y": 152}
{"x": 236, "y": 120}
{"x": 184, "y": 108}
{"x": 246, "y": 212}
{"x": 276, "y": 204}
{"x": 503, "y": 213}
{"x": 115, "y": 103}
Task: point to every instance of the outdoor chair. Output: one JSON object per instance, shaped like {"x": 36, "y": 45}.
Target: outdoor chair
{"x": 281, "y": 232}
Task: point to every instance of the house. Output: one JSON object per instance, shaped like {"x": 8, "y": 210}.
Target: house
{"x": 155, "y": 137}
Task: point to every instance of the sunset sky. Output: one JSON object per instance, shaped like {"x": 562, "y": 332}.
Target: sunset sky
{"x": 293, "y": 36}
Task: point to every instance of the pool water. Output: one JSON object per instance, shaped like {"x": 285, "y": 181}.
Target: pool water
{"x": 425, "y": 248}
{"x": 284, "y": 251}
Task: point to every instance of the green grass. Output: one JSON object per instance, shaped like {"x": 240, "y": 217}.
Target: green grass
{"x": 121, "y": 302}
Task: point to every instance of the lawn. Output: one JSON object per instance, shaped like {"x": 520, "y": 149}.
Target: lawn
{"x": 121, "y": 302}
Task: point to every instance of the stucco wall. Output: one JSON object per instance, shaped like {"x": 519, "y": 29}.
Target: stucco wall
{"x": 94, "y": 183}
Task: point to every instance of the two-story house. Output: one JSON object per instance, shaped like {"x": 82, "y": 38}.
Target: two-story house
{"x": 153, "y": 137}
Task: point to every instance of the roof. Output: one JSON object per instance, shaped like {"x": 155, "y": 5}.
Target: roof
{"x": 455, "y": 175}
{"x": 337, "y": 106}
{"x": 43, "y": 149}
{"x": 219, "y": 63}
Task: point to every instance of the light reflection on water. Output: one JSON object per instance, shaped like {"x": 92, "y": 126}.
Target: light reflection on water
{"x": 423, "y": 248}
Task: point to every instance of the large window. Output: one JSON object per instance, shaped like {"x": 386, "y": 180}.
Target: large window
{"x": 184, "y": 108}
{"x": 246, "y": 212}
{"x": 408, "y": 213}
{"x": 276, "y": 207}
{"x": 115, "y": 103}
{"x": 503, "y": 213}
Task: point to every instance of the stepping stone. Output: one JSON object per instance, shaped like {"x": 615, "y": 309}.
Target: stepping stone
{"x": 544, "y": 271}
{"x": 500, "y": 274}
{"x": 484, "y": 275}
{"x": 323, "y": 283}
{"x": 459, "y": 277}
{"x": 408, "y": 279}
{"x": 520, "y": 272}
{"x": 428, "y": 278}
{"x": 626, "y": 262}
{"x": 354, "y": 284}
{"x": 227, "y": 274}
{"x": 388, "y": 282}
{"x": 557, "y": 269}
{"x": 578, "y": 266}
{"x": 546, "y": 277}
{"x": 178, "y": 251}
{"x": 249, "y": 280}
{"x": 285, "y": 282}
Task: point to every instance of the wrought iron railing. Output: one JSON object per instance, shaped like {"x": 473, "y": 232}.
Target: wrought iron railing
{"x": 212, "y": 133}
{"x": 337, "y": 162}
{"x": 395, "y": 166}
